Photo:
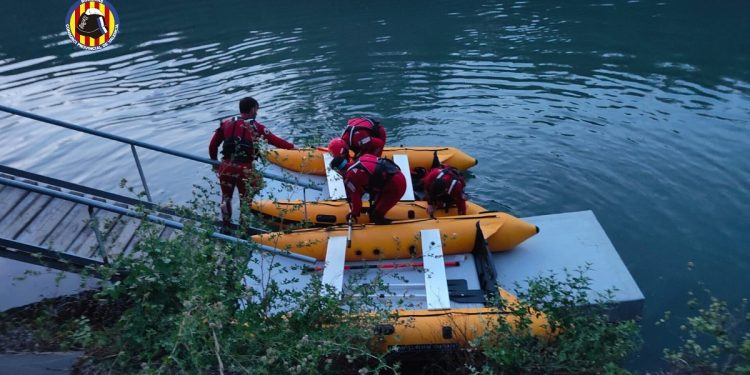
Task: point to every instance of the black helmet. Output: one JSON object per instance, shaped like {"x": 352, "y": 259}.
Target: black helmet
{"x": 92, "y": 24}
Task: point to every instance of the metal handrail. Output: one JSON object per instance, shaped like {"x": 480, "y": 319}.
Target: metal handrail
{"x": 145, "y": 145}
{"x": 76, "y": 188}
{"x": 28, "y": 253}
{"x": 21, "y": 174}
{"x": 150, "y": 217}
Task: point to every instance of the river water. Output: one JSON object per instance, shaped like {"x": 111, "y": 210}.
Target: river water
{"x": 637, "y": 110}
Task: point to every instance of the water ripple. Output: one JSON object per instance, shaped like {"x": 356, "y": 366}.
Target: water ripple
{"x": 651, "y": 136}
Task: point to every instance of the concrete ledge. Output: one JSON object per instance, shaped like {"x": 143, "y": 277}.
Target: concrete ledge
{"x": 38, "y": 363}
{"x": 569, "y": 241}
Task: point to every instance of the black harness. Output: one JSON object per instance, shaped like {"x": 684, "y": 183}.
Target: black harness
{"x": 442, "y": 189}
{"x": 237, "y": 148}
{"x": 385, "y": 169}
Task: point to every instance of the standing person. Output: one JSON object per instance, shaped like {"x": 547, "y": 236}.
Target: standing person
{"x": 240, "y": 135}
{"x": 443, "y": 187}
{"x": 364, "y": 136}
{"x": 380, "y": 178}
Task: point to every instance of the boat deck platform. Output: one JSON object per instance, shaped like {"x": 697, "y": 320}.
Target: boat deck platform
{"x": 43, "y": 222}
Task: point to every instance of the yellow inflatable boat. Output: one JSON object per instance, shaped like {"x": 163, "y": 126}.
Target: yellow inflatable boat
{"x": 456, "y": 327}
{"x": 310, "y": 160}
{"x": 401, "y": 238}
{"x": 325, "y": 213}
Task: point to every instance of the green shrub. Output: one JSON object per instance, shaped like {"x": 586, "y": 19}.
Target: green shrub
{"x": 715, "y": 341}
{"x": 585, "y": 341}
{"x": 190, "y": 311}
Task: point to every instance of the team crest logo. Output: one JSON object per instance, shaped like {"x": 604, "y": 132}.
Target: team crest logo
{"x": 92, "y": 24}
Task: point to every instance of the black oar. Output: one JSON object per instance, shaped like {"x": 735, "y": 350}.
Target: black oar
{"x": 349, "y": 232}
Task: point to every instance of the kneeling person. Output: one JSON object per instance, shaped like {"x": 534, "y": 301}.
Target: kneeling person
{"x": 380, "y": 178}
{"x": 364, "y": 136}
{"x": 444, "y": 186}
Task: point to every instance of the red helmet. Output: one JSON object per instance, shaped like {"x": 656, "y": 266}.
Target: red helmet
{"x": 338, "y": 147}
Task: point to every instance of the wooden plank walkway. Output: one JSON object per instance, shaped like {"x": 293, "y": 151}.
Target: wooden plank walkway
{"x": 64, "y": 226}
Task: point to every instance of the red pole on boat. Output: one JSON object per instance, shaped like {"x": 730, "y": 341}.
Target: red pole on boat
{"x": 389, "y": 266}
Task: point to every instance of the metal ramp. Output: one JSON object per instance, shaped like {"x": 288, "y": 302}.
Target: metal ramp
{"x": 40, "y": 214}
{"x": 73, "y": 228}
{"x": 53, "y": 224}
{"x": 62, "y": 225}
{"x": 64, "y": 234}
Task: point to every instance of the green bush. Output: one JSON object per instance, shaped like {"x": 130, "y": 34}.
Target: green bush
{"x": 715, "y": 341}
{"x": 189, "y": 310}
{"x": 584, "y": 340}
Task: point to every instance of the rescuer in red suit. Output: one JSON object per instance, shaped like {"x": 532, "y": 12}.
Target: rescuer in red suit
{"x": 380, "y": 178}
{"x": 444, "y": 186}
{"x": 240, "y": 135}
{"x": 364, "y": 136}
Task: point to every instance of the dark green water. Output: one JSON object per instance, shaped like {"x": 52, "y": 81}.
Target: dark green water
{"x": 639, "y": 111}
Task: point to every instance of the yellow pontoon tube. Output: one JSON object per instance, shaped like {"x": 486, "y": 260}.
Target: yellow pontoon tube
{"x": 310, "y": 160}
{"x": 401, "y": 238}
{"x": 325, "y": 213}
{"x": 452, "y": 327}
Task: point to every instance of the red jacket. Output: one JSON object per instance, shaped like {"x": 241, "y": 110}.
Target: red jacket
{"x": 449, "y": 190}
{"x": 359, "y": 180}
{"x": 233, "y": 127}
{"x": 364, "y": 136}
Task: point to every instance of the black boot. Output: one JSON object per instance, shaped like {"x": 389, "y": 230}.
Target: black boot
{"x": 381, "y": 220}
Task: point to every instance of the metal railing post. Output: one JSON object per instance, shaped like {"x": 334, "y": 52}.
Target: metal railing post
{"x": 140, "y": 171}
{"x": 94, "y": 224}
{"x": 304, "y": 201}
